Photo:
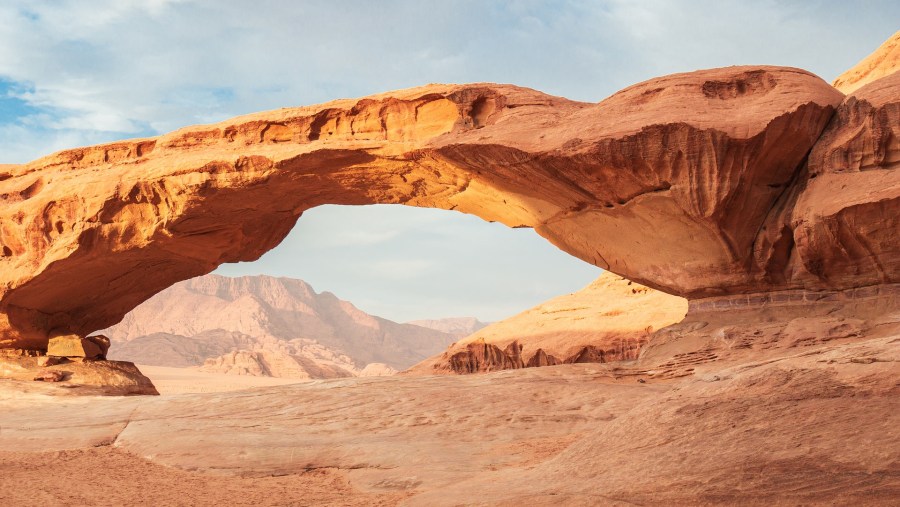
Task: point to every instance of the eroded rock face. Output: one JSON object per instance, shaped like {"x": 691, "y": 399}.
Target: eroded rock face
{"x": 685, "y": 183}
{"x": 609, "y": 320}
{"x": 74, "y": 346}
{"x": 847, "y": 214}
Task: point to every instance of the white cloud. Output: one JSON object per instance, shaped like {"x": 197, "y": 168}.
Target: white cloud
{"x": 128, "y": 66}
{"x": 105, "y": 69}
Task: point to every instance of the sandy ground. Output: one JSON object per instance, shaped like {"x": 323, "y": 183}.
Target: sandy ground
{"x": 105, "y": 476}
{"x": 813, "y": 425}
{"x": 187, "y": 380}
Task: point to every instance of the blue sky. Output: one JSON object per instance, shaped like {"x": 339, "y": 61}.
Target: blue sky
{"x": 84, "y": 72}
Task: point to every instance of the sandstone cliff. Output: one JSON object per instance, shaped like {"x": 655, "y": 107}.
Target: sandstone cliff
{"x": 609, "y": 320}
{"x": 681, "y": 183}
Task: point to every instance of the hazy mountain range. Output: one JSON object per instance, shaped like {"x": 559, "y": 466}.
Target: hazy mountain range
{"x": 262, "y": 325}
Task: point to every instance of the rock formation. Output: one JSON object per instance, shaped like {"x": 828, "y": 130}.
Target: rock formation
{"x": 609, "y": 320}
{"x": 704, "y": 184}
{"x": 676, "y": 183}
{"x": 73, "y": 346}
{"x": 211, "y": 316}
{"x": 883, "y": 62}
{"x": 268, "y": 362}
{"x": 81, "y": 376}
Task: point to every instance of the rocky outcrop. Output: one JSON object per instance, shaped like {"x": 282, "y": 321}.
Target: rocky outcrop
{"x": 79, "y": 376}
{"x": 883, "y": 62}
{"x": 73, "y": 346}
{"x": 669, "y": 182}
{"x": 480, "y": 357}
{"x": 377, "y": 370}
{"x": 847, "y": 212}
{"x": 607, "y": 321}
{"x": 271, "y": 363}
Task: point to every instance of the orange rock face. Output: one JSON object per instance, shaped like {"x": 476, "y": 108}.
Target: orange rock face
{"x": 691, "y": 183}
{"x": 847, "y": 215}
{"x": 609, "y": 320}
{"x": 883, "y": 62}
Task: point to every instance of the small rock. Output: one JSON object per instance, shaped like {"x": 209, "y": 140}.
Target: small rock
{"x": 75, "y": 346}
{"x": 642, "y": 381}
{"x": 50, "y": 376}
{"x": 48, "y": 361}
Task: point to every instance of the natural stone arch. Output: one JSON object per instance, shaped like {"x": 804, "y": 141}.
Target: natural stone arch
{"x": 668, "y": 182}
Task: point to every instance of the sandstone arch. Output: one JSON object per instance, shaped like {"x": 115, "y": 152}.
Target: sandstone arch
{"x": 685, "y": 183}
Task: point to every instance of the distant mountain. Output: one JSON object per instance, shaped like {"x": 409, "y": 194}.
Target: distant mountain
{"x": 457, "y": 326}
{"x": 204, "y": 320}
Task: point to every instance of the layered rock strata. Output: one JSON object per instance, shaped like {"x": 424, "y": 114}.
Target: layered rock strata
{"x": 696, "y": 184}
{"x": 609, "y": 320}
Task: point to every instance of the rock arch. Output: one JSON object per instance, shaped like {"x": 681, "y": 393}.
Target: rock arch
{"x": 685, "y": 183}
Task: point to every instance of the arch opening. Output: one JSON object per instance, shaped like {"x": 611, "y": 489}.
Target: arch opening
{"x": 352, "y": 290}
{"x": 406, "y": 263}
{"x": 689, "y": 195}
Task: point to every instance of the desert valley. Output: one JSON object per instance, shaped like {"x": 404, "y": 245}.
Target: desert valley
{"x": 741, "y": 347}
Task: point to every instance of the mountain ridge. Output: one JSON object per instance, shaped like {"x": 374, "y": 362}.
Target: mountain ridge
{"x": 254, "y": 313}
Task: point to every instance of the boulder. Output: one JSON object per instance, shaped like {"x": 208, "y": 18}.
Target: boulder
{"x": 74, "y": 346}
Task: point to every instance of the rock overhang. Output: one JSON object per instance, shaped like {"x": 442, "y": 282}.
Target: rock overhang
{"x": 676, "y": 182}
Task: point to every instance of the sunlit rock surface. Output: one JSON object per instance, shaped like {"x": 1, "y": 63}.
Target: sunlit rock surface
{"x": 670, "y": 182}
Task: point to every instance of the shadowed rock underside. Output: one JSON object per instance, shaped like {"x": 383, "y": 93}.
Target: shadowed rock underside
{"x": 705, "y": 184}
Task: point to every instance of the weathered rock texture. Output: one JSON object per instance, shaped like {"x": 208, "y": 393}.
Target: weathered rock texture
{"x": 883, "y": 62}
{"x": 609, "y": 320}
{"x": 265, "y": 362}
{"x": 88, "y": 377}
{"x": 690, "y": 183}
{"x": 92, "y": 347}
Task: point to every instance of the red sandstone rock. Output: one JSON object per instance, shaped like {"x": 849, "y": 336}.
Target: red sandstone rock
{"x": 607, "y": 321}
{"x": 847, "y": 217}
{"x": 685, "y": 183}
{"x": 481, "y": 357}
{"x": 73, "y": 346}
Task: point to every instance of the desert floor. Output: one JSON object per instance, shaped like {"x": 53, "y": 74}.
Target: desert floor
{"x": 817, "y": 425}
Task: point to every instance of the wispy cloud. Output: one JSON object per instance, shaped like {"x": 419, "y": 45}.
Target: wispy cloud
{"x": 138, "y": 67}
{"x": 75, "y": 72}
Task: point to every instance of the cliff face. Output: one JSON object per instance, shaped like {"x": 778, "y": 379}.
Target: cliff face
{"x": 609, "y": 320}
{"x": 691, "y": 183}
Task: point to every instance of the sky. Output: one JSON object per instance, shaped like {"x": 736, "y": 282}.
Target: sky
{"x": 83, "y": 72}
